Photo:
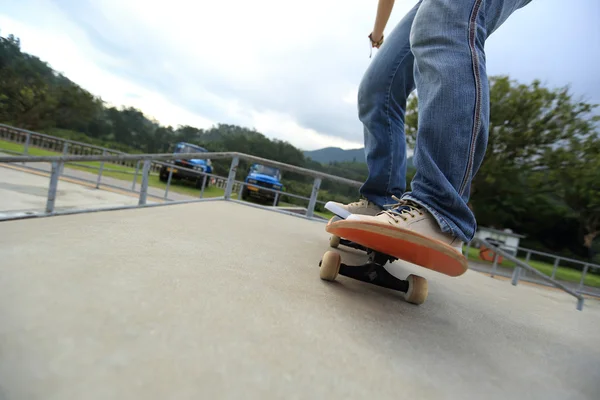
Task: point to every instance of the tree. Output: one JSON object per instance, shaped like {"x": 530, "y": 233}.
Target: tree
{"x": 575, "y": 177}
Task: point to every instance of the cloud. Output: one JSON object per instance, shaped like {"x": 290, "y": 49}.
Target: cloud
{"x": 289, "y": 69}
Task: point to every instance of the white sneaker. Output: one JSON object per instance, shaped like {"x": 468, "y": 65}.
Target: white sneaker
{"x": 412, "y": 216}
{"x": 361, "y": 207}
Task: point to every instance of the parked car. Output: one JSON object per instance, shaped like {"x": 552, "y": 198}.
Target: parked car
{"x": 196, "y": 164}
{"x": 260, "y": 177}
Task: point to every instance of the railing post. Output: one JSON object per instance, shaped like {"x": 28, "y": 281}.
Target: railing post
{"x": 555, "y": 267}
{"x": 26, "y": 146}
{"x": 100, "y": 171}
{"x": 56, "y": 167}
{"x": 137, "y": 169}
{"x": 516, "y": 275}
{"x": 203, "y": 185}
{"x": 495, "y": 265}
{"x": 313, "y": 198}
{"x": 231, "y": 178}
{"x": 583, "y": 274}
{"x": 168, "y": 182}
{"x": 144, "y": 189}
{"x": 580, "y": 303}
{"x": 65, "y": 152}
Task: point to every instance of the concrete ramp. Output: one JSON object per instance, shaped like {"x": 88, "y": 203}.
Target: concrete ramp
{"x": 218, "y": 300}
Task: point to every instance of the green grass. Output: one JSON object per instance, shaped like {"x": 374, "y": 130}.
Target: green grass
{"x": 562, "y": 273}
{"x": 325, "y": 214}
{"x": 32, "y": 151}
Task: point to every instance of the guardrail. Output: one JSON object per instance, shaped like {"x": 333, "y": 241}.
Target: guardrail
{"x": 524, "y": 266}
{"x": 57, "y": 164}
{"x": 53, "y": 143}
{"x": 555, "y": 262}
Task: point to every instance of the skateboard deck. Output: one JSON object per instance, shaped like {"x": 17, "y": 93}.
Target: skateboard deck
{"x": 401, "y": 244}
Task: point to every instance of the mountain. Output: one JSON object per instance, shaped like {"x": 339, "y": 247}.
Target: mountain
{"x": 335, "y": 154}
{"x": 331, "y": 154}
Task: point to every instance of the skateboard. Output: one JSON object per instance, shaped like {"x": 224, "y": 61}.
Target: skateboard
{"x": 386, "y": 244}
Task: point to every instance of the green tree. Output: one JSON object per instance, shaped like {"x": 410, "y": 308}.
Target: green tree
{"x": 575, "y": 177}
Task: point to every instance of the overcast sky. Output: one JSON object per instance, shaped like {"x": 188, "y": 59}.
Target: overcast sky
{"x": 290, "y": 69}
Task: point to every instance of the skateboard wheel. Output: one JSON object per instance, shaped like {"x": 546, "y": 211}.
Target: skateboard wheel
{"x": 417, "y": 289}
{"x": 334, "y": 241}
{"x": 330, "y": 266}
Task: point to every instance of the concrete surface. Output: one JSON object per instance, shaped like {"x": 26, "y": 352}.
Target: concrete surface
{"x": 23, "y": 192}
{"x": 176, "y": 302}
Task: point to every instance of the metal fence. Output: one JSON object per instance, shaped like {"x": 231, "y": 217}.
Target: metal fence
{"x": 56, "y": 144}
{"x": 145, "y": 160}
{"x": 68, "y": 147}
{"x": 523, "y": 270}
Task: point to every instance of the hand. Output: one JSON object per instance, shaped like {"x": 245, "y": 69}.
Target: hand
{"x": 376, "y": 40}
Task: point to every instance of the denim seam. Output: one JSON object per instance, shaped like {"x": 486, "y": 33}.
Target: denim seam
{"x": 477, "y": 116}
{"x": 389, "y": 120}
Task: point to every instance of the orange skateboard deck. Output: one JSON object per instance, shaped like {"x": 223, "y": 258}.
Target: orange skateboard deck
{"x": 401, "y": 244}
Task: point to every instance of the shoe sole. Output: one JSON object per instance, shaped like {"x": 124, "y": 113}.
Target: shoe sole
{"x": 402, "y": 244}
{"x": 337, "y": 210}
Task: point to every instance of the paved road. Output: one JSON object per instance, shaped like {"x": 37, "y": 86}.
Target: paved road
{"x": 176, "y": 302}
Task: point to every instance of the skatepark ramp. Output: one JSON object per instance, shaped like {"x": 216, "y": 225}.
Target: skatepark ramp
{"x": 218, "y": 298}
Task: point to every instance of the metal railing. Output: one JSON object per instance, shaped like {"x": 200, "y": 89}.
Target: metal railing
{"x": 57, "y": 144}
{"x": 58, "y": 162}
{"x": 521, "y": 265}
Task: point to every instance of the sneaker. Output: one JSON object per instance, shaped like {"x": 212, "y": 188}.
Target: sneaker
{"x": 412, "y": 216}
{"x": 361, "y": 207}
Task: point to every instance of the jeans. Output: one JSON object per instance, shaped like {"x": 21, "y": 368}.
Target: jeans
{"x": 437, "y": 49}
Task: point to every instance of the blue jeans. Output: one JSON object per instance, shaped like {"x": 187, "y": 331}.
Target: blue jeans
{"x": 437, "y": 49}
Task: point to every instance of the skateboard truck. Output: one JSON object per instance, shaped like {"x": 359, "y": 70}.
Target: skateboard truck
{"x": 373, "y": 271}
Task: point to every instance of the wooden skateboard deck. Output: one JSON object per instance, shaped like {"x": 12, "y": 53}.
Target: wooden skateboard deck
{"x": 401, "y": 244}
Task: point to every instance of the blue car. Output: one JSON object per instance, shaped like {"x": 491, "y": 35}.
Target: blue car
{"x": 196, "y": 164}
{"x": 261, "y": 177}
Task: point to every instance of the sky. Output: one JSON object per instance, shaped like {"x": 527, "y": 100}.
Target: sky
{"x": 289, "y": 69}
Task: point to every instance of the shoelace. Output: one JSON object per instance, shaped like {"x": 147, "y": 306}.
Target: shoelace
{"x": 402, "y": 209}
{"x": 361, "y": 202}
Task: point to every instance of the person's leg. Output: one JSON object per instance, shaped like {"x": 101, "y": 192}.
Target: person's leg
{"x": 382, "y": 98}
{"x": 447, "y": 40}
